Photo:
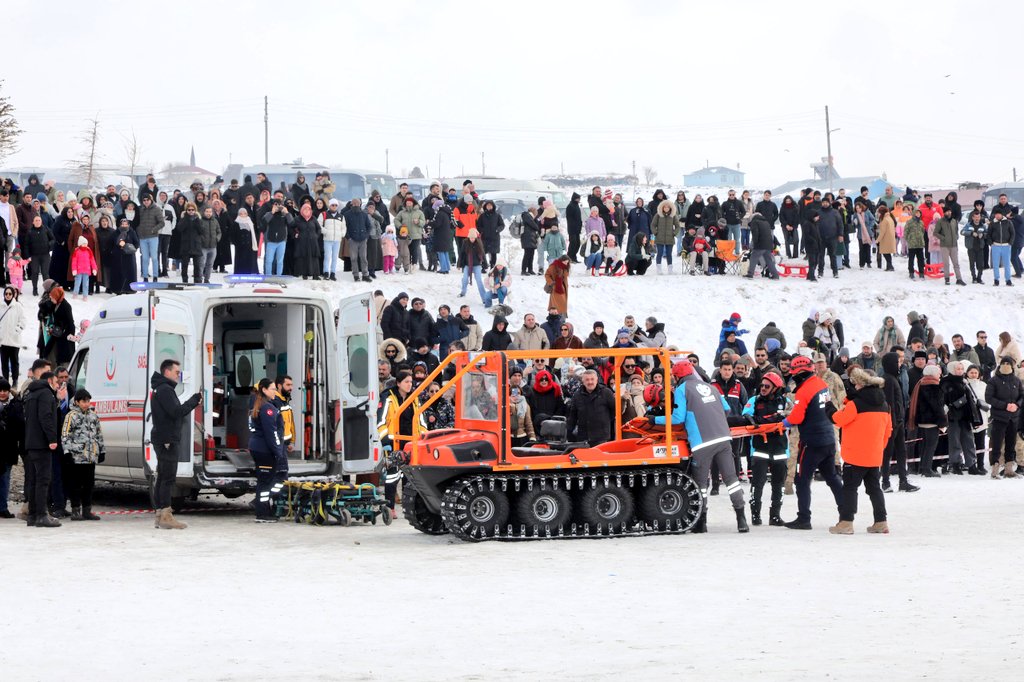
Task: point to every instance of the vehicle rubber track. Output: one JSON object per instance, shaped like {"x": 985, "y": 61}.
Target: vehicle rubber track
{"x": 457, "y": 505}
{"x": 417, "y": 514}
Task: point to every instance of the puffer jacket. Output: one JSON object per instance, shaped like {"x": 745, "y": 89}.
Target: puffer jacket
{"x": 81, "y": 436}
{"x": 664, "y": 226}
{"x": 914, "y": 234}
{"x": 209, "y": 232}
{"x": 190, "y": 236}
{"x": 332, "y": 223}
{"x": 151, "y": 220}
{"x": 413, "y": 219}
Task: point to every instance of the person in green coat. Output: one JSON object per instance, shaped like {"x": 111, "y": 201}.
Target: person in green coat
{"x": 554, "y": 244}
{"x": 664, "y": 229}
{"x": 412, "y": 219}
{"x": 914, "y": 235}
{"x": 947, "y": 231}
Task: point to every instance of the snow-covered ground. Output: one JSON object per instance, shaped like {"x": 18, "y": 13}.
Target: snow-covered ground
{"x": 229, "y": 599}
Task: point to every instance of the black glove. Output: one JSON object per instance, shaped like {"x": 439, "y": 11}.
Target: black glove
{"x": 830, "y": 409}
{"x": 102, "y": 457}
{"x": 651, "y": 423}
{"x": 737, "y": 420}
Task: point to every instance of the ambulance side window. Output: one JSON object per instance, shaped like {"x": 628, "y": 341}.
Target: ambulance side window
{"x": 171, "y": 346}
{"x": 358, "y": 369}
{"x": 80, "y": 369}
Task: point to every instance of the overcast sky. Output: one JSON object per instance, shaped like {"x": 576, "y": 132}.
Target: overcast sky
{"x": 591, "y": 85}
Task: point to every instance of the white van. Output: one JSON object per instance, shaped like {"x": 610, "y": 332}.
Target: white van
{"x": 227, "y": 339}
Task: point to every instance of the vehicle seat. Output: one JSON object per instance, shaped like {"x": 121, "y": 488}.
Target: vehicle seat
{"x": 554, "y": 432}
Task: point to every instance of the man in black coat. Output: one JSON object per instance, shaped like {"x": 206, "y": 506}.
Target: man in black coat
{"x": 897, "y": 445}
{"x": 767, "y": 208}
{"x": 12, "y": 440}
{"x": 42, "y": 438}
{"x": 574, "y": 222}
{"x": 592, "y": 411}
{"x": 394, "y": 322}
{"x": 762, "y": 244}
{"x": 986, "y": 356}
{"x": 169, "y": 415}
{"x": 421, "y": 324}
{"x": 830, "y": 225}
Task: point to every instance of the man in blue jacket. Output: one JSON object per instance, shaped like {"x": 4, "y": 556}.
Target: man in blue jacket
{"x": 702, "y": 409}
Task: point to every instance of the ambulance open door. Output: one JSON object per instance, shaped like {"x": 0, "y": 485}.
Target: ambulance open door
{"x": 356, "y": 436}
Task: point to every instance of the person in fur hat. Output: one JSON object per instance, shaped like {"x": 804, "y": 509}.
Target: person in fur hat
{"x": 866, "y": 425}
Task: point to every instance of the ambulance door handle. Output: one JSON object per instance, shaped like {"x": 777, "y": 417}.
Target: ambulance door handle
{"x": 364, "y": 406}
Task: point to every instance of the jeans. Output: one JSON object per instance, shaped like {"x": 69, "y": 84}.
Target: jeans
{"x": 501, "y": 293}
{"x": 1001, "y": 257}
{"x": 357, "y": 257}
{"x": 745, "y": 237}
{"x": 679, "y": 241}
{"x": 209, "y": 255}
{"x": 734, "y": 233}
{"x": 479, "y": 283}
{"x": 594, "y": 260}
{"x": 815, "y": 458}
{"x": 166, "y": 472}
{"x": 852, "y": 477}
{"x": 273, "y": 258}
{"x": 444, "y": 263}
{"x": 81, "y": 284}
{"x": 666, "y": 251}
{"x": 150, "y": 250}
{"x": 1018, "y": 267}
{"x": 38, "y": 470}
{"x": 5, "y": 487}
{"x": 331, "y": 250}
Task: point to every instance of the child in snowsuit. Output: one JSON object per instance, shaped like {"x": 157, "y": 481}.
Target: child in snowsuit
{"x": 83, "y": 266}
{"x": 594, "y": 253}
{"x": 554, "y": 244}
{"x": 613, "y": 264}
{"x": 16, "y": 269}
{"x": 82, "y": 440}
{"x": 403, "y": 248}
{"x": 389, "y": 249}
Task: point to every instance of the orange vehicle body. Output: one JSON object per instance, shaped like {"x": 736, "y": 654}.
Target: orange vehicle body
{"x": 480, "y": 445}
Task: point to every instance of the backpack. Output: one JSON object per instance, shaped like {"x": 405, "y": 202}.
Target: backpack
{"x": 515, "y": 228}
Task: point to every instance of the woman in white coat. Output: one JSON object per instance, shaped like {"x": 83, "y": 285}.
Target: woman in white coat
{"x": 12, "y": 324}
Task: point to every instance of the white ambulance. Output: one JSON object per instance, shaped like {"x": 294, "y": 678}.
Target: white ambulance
{"x": 227, "y": 338}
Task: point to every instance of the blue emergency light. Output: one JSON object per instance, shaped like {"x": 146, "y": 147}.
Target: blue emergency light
{"x": 259, "y": 279}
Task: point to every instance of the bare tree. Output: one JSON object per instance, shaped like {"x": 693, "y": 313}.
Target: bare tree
{"x": 85, "y": 166}
{"x": 9, "y": 130}
{"x": 650, "y": 175}
{"x": 132, "y": 155}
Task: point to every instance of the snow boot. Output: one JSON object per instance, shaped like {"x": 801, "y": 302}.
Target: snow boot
{"x": 46, "y": 521}
{"x": 842, "y": 528}
{"x": 76, "y": 513}
{"x": 788, "y": 488}
{"x": 798, "y": 524}
{"x": 879, "y": 527}
{"x": 995, "y": 471}
{"x": 1008, "y": 470}
{"x": 908, "y": 487}
{"x": 775, "y": 517}
{"x": 660, "y": 271}
{"x": 22, "y": 515}
{"x": 702, "y": 523}
{"x": 741, "y": 521}
{"x": 167, "y": 521}
{"x": 755, "y": 514}
{"x": 87, "y": 514}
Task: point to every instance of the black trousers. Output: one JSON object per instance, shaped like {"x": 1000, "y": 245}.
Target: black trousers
{"x": 761, "y": 466}
{"x": 197, "y": 268}
{"x": 264, "y": 483}
{"x": 574, "y": 243}
{"x": 166, "y": 471}
{"x": 930, "y": 440}
{"x": 81, "y": 478}
{"x": 528, "y": 257}
{"x": 853, "y": 475}
{"x": 792, "y": 242}
{"x": 865, "y": 255}
{"x": 917, "y": 254}
{"x": 38, "y": 469}
{"x": 888, "y": 260}
{"x": 814, "y": 259}
{"x": 165, "y": 248}
{"x": 1004, "y": 440}
{"x": 822, "y": 459}
{"x": 9, "y": 363}
{"x": 828, "y": 248}
{"x": 896, "y": 447}
{"x": 979, "y": 448}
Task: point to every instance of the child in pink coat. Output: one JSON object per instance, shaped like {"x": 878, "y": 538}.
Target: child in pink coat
{"x": 389, "y": 249}
{"x": 16, "y": 269}
{"x": 83, "y": 265}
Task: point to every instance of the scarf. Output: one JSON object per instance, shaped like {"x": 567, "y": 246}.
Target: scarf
{"x": 887, "y": 338}
{"x": 245, "y": 223}
{"x": 925, "y": 381}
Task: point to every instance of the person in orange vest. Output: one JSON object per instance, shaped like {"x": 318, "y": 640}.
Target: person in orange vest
{"x": 866, "y": 425}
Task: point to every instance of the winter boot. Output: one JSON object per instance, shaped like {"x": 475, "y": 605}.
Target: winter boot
{"x": 156, "y": 519}
{"x": 788, "y": 488}
{"x": 995, "y": 471}
{"x": 879, "y": 527}
{"x": 842, "y": 528}
{"x": 334, "y": 277}
{"x": 46, "y": 521}
{"x": 76, "y": 513}
{"x": 755, "y": 514}
{"x": 660, "y": 271}
{"x": 775, "y": 518}
{"x": 1008, "y": 470}
{"x": 908, "y": 487}
{"x": 87, "y": 514}
{"x": 702, "y": 523}
{"x": 798, "y": 524}
{"x": 23, "y": 514}
{"x": 741, "y": 521}
{"x": 168, "y": 522}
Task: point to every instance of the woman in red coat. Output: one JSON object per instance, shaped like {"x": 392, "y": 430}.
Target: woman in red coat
{"x": 556, "y": 284}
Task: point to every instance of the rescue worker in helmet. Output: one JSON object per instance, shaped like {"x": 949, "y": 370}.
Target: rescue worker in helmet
{"x": 702, "y": 409}
{"x": 812, "y": 411}
{"x": 267, "y": 446}
{"x": 770, "y": 451}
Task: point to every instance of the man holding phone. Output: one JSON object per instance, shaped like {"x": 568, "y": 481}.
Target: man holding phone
{"x": 169, "y": 416}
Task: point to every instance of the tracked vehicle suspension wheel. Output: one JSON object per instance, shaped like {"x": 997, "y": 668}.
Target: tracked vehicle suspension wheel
{"x": 475, "y": 509}
{"x": 671, "y": 501}
{"x": 544, "y": 511}
{"x": 417, "y": 514}
{"x": 606, "y": 508}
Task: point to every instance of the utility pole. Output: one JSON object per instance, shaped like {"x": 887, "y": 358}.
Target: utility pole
{"x": 1015, "y": 174}
{"x": 828, "y": 144}
{"x": 266, "y": 132}
{"x": 635, "y": 179}
{"x": 563, "y": 167}
{"x": 387, "y": 161}
{"x": 439, "y": 165}
{"x": 483, "y": 165}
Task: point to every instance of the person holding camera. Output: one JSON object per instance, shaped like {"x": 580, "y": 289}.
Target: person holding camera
{"x": 276, "y": 225}
{"x": 169, "y": 416}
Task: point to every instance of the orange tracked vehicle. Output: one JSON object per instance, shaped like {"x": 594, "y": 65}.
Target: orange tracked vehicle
{"x": 470, "y": 481}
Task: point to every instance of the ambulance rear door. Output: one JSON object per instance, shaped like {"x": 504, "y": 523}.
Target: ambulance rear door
{"x": 356, "y": 410}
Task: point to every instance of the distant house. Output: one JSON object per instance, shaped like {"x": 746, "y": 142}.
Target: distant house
{"x": 714, "y": 176}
